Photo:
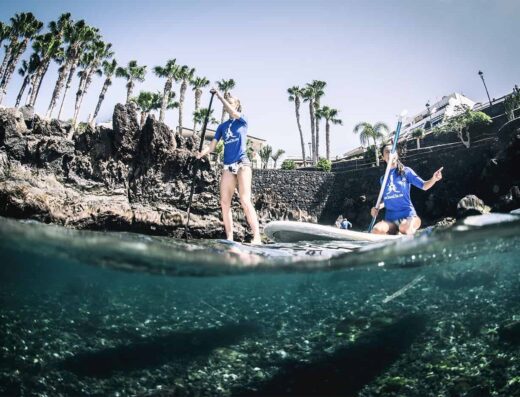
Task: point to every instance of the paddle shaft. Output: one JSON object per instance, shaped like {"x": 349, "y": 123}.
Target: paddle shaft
{"x": 195, "y": 168}
{"x": 387, "y": 172}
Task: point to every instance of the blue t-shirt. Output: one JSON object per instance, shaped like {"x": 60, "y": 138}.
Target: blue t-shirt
{"x": 396, "y": 197}
{"x": 234, "y": 133}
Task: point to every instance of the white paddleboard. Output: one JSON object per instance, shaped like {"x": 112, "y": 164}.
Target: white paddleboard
{"x": 290, "y": 231}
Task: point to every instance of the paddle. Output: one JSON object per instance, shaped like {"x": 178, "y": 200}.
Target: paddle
{"x": 388, "y": 166}
{"x": 195, "y": 168}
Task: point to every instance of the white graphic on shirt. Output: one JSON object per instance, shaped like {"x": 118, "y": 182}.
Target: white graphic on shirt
{"x": 391, "y": 187}
{"x": 397, "y": 193}
{"x": 229, "y": 133}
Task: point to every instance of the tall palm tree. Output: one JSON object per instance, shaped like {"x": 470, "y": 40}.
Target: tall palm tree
{"x": 48, "y": 47}
{"x": 265, "y": 155}
{"x": 24, "y": 28}
{"x": 185, "y": 74}
{"x": 77, "y": 36}
{"x": 132, "y": 73}
{"x": 83, "y": 37}
{"x": 330, "y": 116}
{"x": 198, "y": 83}
{"x": 225, "y": 86}
{"x": 276, "y": 156}
{"x": 308, "y": 96}
{"x": 99, "y": 51}
{"x": 295, "y": 95}
{"x": 109, "y": 69}
{"x": 369, "y": 132}
{"x": 147, "y": 102}
{"x": 315, "y": 91}
{"x": 26, "y": 71}
{"x": 169, "y": 71}
{"x": 200, "y": 115}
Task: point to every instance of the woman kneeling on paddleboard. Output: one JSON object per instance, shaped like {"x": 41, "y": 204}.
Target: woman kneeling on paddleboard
{"x": 237, "y": 167}
{"x": 400, "y": 215}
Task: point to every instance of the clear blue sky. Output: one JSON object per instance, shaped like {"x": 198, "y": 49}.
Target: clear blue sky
{"x": 377, "y": 57}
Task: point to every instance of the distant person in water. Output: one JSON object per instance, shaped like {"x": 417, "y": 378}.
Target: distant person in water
{"x": 400, "y": 215}
{"x": 237, "y": 167}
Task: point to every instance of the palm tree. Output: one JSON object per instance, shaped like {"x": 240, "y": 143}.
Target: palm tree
{"x": 48, "y": 47}
{"x": 418, "y": 134}
{"x": 77, "y": 35}
{"x": 185, "y": 74}
{"x": 369, "y": 132}
{"x": 200, "y": 115}
{"x": 225, "y": 86}
{"x": 27, "y": 70}
{"x": 147, "y": 102}
{"x": 132, "y": 73}
{"x": 99, "y": 51}
{"x": 295, "y": 95}
{"x": 24, "y": 27}
{"x": 317, "y": 88}
{"x": 198, "y": 83}
{"x": 276, "y": 156}
{"x": 330, "y": 116}
{"x": 265, "y": 155}
{"x": 308, "y": 96}
{"x": 109, "y": 69}
{"x": 83, "y": 37}
{"x": 169, "y": 71}
{"x": 312, "y": 93}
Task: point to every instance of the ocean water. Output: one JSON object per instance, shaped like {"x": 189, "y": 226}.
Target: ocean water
{"x": 117, "y": 314}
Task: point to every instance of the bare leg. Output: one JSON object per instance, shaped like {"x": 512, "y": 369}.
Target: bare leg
{"x": 410, "y": 225}
{"x": 384, "y": 227}
{"x": 228, "y": 184}
{"x": 245, "y": 175}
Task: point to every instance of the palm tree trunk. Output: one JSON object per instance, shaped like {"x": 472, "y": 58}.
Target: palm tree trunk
{"x": 69, "y": 81}
{"x": 166, "y": 96}
{"x": 302, "y": 141}
{"x": 6, "y": 78}
{"x": 317, "y": 140}
{"x": 85, "y": 89}
{"x": 20, "y": 94}
{"x": 198, "y": 94}
{"x": 327, "y": 138}
{"x": 129, "y": 89}
{"x": 79, "y": 92}
{"x": 57, "y": 88}
{"x": 376, "y": 153}
{"x": 7, "y": 57}
{"x": 143, "y": 118}
{"x": 182, "y": 93}
{"x": 313, "y": 136}
{"x": 418, "y": 143}
{"x": 37, "y": 91}
{"x": 101, "y": 97}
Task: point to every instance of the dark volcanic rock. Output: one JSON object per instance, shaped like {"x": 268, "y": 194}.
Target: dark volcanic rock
{"x": 471, "y": 205}
{"x": 126, "y": 131}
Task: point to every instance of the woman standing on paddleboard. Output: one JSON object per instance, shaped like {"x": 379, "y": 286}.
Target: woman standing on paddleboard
{"x": 400, "y": 215}
{"x": 237, "y": 167}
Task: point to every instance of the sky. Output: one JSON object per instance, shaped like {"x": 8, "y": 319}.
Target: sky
{"x": 378, "y": 57}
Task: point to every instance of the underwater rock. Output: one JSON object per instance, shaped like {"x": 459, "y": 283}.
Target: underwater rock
{"x": 510, "y": 332}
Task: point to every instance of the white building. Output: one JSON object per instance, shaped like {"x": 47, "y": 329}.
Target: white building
{"x": 447, "y": 107}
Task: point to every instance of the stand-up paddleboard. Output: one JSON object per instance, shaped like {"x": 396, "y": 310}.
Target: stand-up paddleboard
{"x": 290, "y": 231}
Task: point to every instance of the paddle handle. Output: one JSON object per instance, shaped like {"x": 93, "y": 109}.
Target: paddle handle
{"x": 192, "y": 189}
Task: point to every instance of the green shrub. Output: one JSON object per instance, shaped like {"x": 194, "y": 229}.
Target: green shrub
{"x": 324, "y": 165}
{"x": 288, "y": 165}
